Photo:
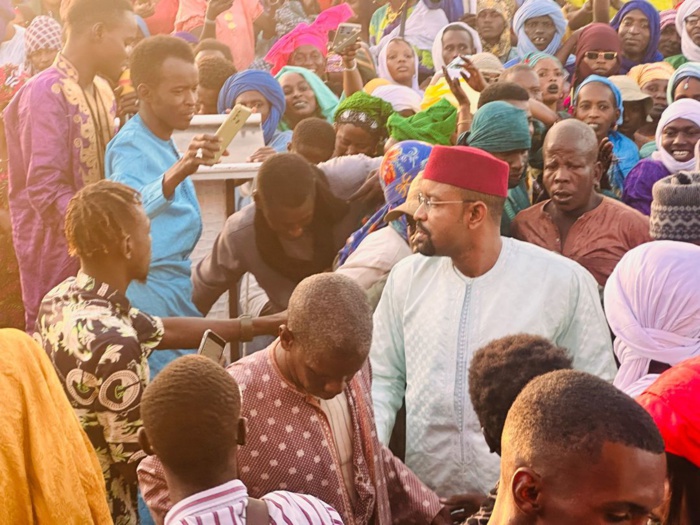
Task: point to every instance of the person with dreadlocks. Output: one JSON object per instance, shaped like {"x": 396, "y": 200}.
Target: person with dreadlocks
{"x": 99, "y": 343}
{"x": 360, "y": 125}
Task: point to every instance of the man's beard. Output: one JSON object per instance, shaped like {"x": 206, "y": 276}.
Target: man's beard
{"x": 425, "y": 246}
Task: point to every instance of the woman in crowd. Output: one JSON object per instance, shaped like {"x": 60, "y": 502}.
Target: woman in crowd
{"x": 598, "y": 52}
{"x": 398, "y": 63}
{"x": 360, "y": 125}
{"x": 686, "y": 26}
{"x": 42, "y": 42}
{"x": 259, "y": 91}
{"x": 493, "y": 21}
{"x": 639, "y": 28}
{"x": 676, "y": 135}
{"x": 539, "y": 26}
{"x": 454, "y": 40}
{"x": 685, "y": 83}
{"x": 598, "y": 103}
{"x": 672, "y": 402}
{"x": 552, "y": 77}
{"x": 653, "y": 308}
{"x": 653, "y": 80}
{"x": 306, "y": 96}
{"x": 670, "y": 38}
{"x": 49, "y": 470}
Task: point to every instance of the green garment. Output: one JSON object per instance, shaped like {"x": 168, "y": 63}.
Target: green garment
{"x": 435, "y": 125}
{"x": 677, "y": 61}
{"x": 498, "y": 127}
{"x": 325, "y": 98}
{"x": 517, "y": 200}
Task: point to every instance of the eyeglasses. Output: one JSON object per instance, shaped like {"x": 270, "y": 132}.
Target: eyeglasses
{"x": 692, "y": 20}
{"x": 428, "y": 202}
{"x": 607, "y": 55}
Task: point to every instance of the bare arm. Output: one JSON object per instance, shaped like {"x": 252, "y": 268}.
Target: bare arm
{"x": 352, "y": 80}
{"x": 601, "y": 11}
{"x": 568, "y": 47}
{"x": 543, "y": 113}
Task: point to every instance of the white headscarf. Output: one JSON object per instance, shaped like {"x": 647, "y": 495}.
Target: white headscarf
{"x": 438, "y": 62}
{"x": 686, "y": 108}
{"x": 400, "y": 97}
{"x": 652, "y": 302}
{"x": 383, "y": 70}
{"x": 690, "y": 50}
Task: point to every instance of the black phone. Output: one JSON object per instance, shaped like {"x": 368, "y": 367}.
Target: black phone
{"x": 212, "y": 346}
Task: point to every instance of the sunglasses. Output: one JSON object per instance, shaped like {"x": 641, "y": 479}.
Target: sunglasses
{"x": 607, "y": 55}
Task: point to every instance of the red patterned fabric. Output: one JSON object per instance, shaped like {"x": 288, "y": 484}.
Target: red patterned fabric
{"x": 290, "y": 447}
{"x": 468, "y": 168}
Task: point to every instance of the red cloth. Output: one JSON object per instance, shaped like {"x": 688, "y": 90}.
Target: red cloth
{"x": 163, "y": 21}
{"x": 672, "y": 402}
{"x": 468, "y": 168}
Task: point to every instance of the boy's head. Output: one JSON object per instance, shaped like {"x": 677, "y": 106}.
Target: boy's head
{"x": 313, "y": 139}
{"x": 213, "y": 72}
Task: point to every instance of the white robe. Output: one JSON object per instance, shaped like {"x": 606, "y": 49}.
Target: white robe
{"x": 430, "y": 321}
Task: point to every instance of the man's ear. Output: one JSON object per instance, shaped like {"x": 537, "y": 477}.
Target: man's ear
{"x": 286, "y": 337}
{"x": 526, "y": 487}
{"x": 144, "y": 442}
{"x": 257, "y": 200}
{"x": 97, "y": 31}
{"x": 242, "y": 431}
{"x": 144, "y": 92}
{"x": 476, "y": 214}
{"x": 127, "y": 247}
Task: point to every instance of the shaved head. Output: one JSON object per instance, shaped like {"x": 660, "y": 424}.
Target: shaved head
{"x": 574, "y": 135}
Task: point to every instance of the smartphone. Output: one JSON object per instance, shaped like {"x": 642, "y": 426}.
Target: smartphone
{"x": 230, "y": 127}
{"x": 346, "y": 35}
{"x": 212, "y": 346}
{"x": 457, "y": 63}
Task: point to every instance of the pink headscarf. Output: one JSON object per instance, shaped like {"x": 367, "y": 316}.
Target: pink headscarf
{"x": 314, "y": 34}
{"x": 668, "y": 18}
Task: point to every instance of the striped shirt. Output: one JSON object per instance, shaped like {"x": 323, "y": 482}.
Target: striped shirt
{"x": 226, "y": 505}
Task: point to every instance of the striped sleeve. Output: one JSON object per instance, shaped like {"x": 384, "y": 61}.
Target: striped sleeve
{"x": 287, "y": 508}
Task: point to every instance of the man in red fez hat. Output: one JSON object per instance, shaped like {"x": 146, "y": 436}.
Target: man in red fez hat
{"x": 467, "y": 287}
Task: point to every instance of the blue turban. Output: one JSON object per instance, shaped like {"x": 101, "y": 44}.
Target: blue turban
{"x": 613, "y": 88}
{"x": 533, "y": 9}
{"x": 687, "y": 70}
{"x": 264, "y": 83}
{"x": 651, "y": 54}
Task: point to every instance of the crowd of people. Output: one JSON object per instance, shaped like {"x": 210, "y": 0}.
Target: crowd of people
{"x": 467, "y": 266}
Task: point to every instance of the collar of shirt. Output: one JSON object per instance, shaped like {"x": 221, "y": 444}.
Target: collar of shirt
{"x": 232, "y": 494}
{"x": 66, "y": 67}
{"x": 92, "y": 285}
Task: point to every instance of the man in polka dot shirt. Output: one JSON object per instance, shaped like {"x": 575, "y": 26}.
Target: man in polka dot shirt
{"x": 311, "y": 424}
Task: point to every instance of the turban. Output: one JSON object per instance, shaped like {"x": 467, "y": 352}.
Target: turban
{"x": 498, "y": 127}
{"x": 374, "y": 84}
{"x": 531, "y": 59}
{"x": 264, "y": 83}
{"x": 616, "y": 92}
{"x": 533, "y": 9}
{"x": 688, "y": 70}
{"x": 325, "y": 98}
{"x": 645, "y": 73}
{"x": 505, "y": 8}
{"x": 438, "y": 62}
{"x": 690, "y": 50}
{"x": 595, "y": 37}
{"x": 401, "y": 98}
{"x": 667, "y": 18}
{"x": 468, "y": 168}
{"x": 364, "y": 111}
{"x": 652, "y": 53}
{"x": 314, "y": 34}
{"x": 435, "y": 125}
{"x": 685, "y": 108}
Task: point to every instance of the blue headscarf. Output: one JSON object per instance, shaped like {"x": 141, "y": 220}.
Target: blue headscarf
{"x": 652, "y": 53}
{"x": 687, "y": 70}
{"x": 264, "y": 83}
{"x": 400, "y": 165}
{"x": 533, "y": 9}
{"x": 142, "y": 26}
{"x": 613, "y": 88}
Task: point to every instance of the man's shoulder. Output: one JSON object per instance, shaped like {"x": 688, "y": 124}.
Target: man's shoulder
{"x": 299, "y": 508}
{"x": 541, "y": 261}
{"x": 241, "y": 222}
{"x": 531, "y": 214}
{"x": 625, "y": 213}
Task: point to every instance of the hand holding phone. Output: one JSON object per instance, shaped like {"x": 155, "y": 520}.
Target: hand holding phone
{"x": 346, "y": 35}
{"x": 230, "y": 127}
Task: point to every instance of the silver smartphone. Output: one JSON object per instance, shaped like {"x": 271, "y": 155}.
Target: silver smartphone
{"x": 212, "y": 346}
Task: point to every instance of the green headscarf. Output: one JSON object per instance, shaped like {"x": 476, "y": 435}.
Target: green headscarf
{"x": 435, "y": 125}
{"x": 498, "y": 127}
{"x": 325, "y": 98}
{"x": 365, "y": 111}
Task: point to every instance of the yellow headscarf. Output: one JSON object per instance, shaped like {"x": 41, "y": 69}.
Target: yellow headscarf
{"x": 49, "y": 472}
{"x": 506, "y": 9}
{"x": 644, "y": 73}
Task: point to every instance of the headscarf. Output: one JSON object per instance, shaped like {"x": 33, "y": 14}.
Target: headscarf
{"x": 435, "y": 125}
{"x": 498, "y": 127}
{"x": 187, "y": 37}
{"x": 667, "y": 18}
{"x": 687, "y": 70}
{"x": 383, "y": 69}
{"x": 400, "y": 97}
{"x": 325, "y": 98}
{"x": 652, "y": 52}
{"x": 374, "y": 84}
{"x": 532, "y": 9}
{"x": 672, "y": 402}
{"x": 653, "y": 307}
{"x": 441, "y": 91}
{"x": 400, "y": 165}
{"x": 314, "y": 34}
{"x": 613, "y": 88}
{"x": 438, "y": 62}
{"x": 49, "y": 471}
{"x": 254, "y": 80}
{"x": 365, "y": 111}
{"x": 645, "y": 73}
{"x": 143, "y": 26}
{"x": 531, "y": 59}
{"x": 43, "y": 33}
{"x": 686, "y": 108}
{"x": 487, "y": 63}
{"x": 690, "y": 50}
{"x": 506, "y": 9}
{"x": 595, "y": 37}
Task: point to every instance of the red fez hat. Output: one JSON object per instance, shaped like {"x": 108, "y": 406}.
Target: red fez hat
{"x": 468, "y": 168}
{"x": 672, "y": 401}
